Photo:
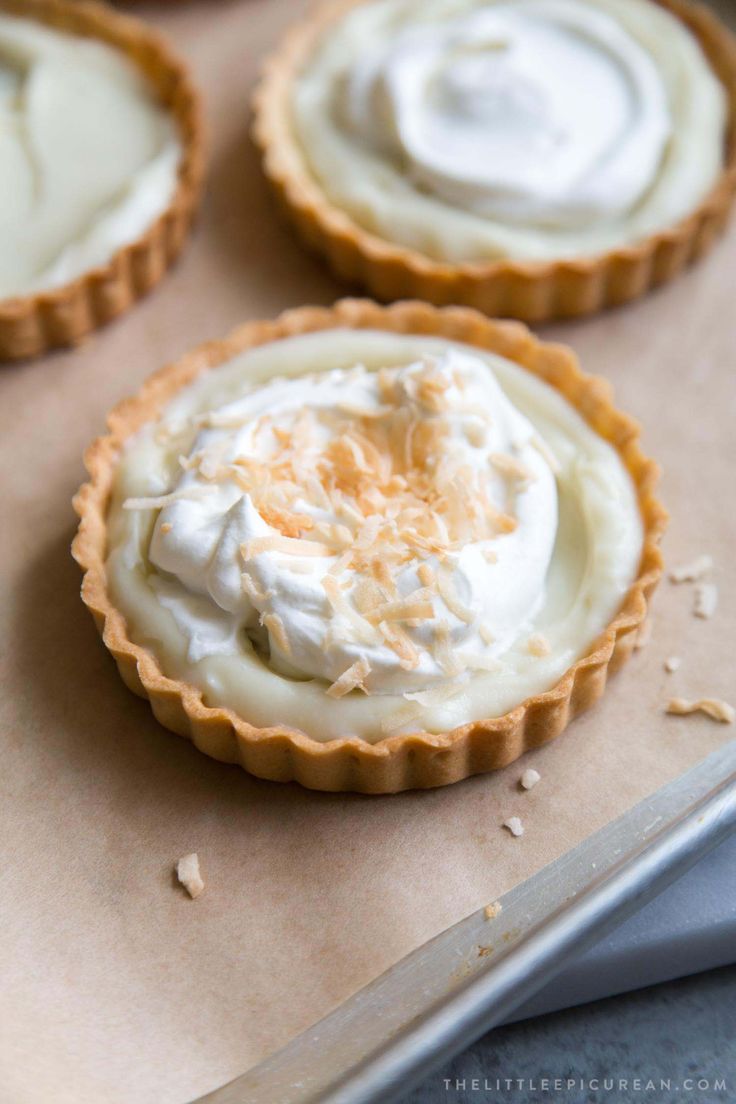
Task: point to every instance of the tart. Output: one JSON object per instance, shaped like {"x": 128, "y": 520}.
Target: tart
{"x": 534, "y": 159}
{"x": 369, "y": 548}
{"x": 102, "y": 168}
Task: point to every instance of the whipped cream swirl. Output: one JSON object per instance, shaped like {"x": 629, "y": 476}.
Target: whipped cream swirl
{"x": 531, "y": 129}
{"x": 546, "y": 112}
{"x": 388, "y": 530}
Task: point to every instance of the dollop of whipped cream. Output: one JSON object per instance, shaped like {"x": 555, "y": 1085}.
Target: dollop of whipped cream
{"x": 387, "y": 530}
{"x": 88, "y": 159}
{"x": 546, "y": 112}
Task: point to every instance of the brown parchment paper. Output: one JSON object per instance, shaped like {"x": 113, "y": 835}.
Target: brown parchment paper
{"x": 115, "y": 986}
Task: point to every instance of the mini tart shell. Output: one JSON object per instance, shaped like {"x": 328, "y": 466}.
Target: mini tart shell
{"x": 417, "y": 760}
{"x": 535, "y": 291}
{"x": 35, "y": 323}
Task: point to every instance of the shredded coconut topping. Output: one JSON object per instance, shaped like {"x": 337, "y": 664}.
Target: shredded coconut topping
{"x": 364, "y": 525}
{"x": 539, "y": 645}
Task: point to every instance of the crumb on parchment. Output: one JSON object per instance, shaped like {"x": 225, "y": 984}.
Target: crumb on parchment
{"x": 715, "y": 708}
{"x": 490, "y": 912}
{"x": 187, "y": 871}
{"x": 514, "y": 825}
{"x": 529, "y": 779}
{"x": 706, "y": 600}
{"x": 693, "y": 570}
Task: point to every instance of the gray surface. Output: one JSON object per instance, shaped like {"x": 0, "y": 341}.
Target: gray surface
{"x": 681, "y": 1030}
{"x": 689, "y": 928}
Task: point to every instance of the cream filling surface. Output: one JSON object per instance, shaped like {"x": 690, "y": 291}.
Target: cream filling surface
{"x": 482, "y": 129}
{"x": 88, "y": 159}
{"x": 360, "y": 533}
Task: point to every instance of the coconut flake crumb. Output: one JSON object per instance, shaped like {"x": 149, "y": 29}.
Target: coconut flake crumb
{"x": 644, "y": 634}
{"x": 529, "y": 779}
{"x": 715, "y": 708}
{"x": 492, "y": 911}
{"x": 538, "y": 645}
{"x": 706, "y": 600}
{"x": 672, "y": 664}
{"x": 187, "y": 871}
{"x": 692, "y": 571}
{"x": 514, "y": 825}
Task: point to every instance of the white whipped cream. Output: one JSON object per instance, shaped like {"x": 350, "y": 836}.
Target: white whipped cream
{"x": 199, "y": 540}
{"x": 530, "y": 128}
{"x": 88, "y": 159}
{"x": 545, "y": 112}
{"x": 537, "y": 594}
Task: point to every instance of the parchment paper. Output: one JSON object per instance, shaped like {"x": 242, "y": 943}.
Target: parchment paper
{"x": 115, "y": 986}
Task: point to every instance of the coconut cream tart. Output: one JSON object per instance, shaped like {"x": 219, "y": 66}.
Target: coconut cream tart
{"x": 347, "y": 535}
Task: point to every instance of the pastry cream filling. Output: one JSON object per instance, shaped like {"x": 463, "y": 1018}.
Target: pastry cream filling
{"x": 359, "y": 533}
{"x": 88, "y": 159}
{"x": 481, "y": 129}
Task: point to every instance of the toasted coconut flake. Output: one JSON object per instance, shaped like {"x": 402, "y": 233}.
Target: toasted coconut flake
{"x": 715, "y": 708}
{"x": 277, "y": 631}
{"x": 165, "y": 528}
{"x": 449, "y": 595}
{"x": 706, "y": 600}
{"x": 368, "y": 533}
{"x": 491, "y": 912}
{"x": 476, "y": 432}
{"x": 490, "y": 555}
{"x": 160, "y": 502}
{"x": 188, "y": 873}
{"x": 437, "y": 695}
{"x": 485, "y": 634}
{"x": 672, "y": 664}
{"x": 342, "y": 562}
{"x": 289, "y": 524}
{"x": 426, "y": 576}
{"x": 514, "y": 825}
{"x": 443, "y": 651}
{"x": 475, "y": 661}
{"x": 529, "y": 779}
{"x": 250, "y": 588}
{"x": 400, "y": 643}
{"x": 538, "y": 645}
{"x": 415, "y": 607}
{"x": 340, "y": 604}
{"x": 692, "y": 571}
{"x": 367, "y": 596}
{"x": 511, "y": 467}
{"x": 360, "y": 412}
{"x": 290, "y": 545}
{"x": 504, "y": 523}
{"x": 352, "y": 679}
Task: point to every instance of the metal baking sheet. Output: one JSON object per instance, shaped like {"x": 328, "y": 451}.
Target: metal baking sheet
{"x": 444, "y": 995}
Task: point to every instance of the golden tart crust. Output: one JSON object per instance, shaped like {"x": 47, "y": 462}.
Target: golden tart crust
{"x": 534, "y": 291}
{"x": 402, "y": 762}
{"x": 34, "y": 324}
